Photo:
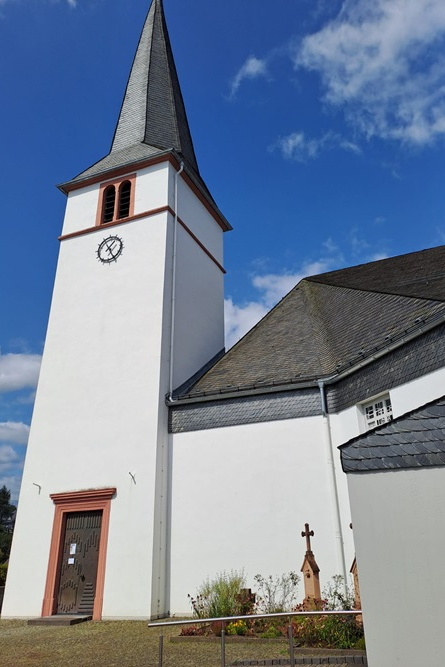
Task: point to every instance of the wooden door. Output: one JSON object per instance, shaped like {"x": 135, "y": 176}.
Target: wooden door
{"x": 78, "y": 569}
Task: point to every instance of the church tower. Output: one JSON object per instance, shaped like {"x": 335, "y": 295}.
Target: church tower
{"x": 137, "y": 310}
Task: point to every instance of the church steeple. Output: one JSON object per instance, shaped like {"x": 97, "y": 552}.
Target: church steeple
{"x": 152, "y": 119}
{"x": 153, "y": 110}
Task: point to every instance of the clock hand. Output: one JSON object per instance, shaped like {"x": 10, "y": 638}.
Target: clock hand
{"x": 110, "y": 247}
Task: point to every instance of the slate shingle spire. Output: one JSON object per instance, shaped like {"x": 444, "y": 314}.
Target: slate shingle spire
{"x": 153, "y": 110}
{"x": 152, "y": 119}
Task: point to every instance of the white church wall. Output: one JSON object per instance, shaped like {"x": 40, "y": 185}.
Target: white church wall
{"x": 241, "y": 497}
{"x": 81, "y": 209}
{"x": 417, "y": 392}
{"x": 344, "y": 425}
{"x": 96, "y": 413}
{"x": 197, "y": 218}
{"x": 151, "y": 193}
{"x": 151, "y": 190}
{"x": 199, "y": 319}
{"x": 399, "y": 546}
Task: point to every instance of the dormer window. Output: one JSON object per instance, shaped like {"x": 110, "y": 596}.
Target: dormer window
{"x": 116, "y": 200}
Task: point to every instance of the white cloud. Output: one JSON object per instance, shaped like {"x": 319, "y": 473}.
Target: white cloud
{"x": 240, "y": 319}
{"x": 272, "y": 287}
{"x": 16, "y": 432}
{"x": 377, "y": 256}
{"x": 383, "y": 61}
{"x": 8, "y": 456}
{"x": 12, "y": 482}
{"x": 18, "y": 371}
{"x": 276, "y": 285}
{"x": 252, "y": 69}
{"x": 297, "y": 146}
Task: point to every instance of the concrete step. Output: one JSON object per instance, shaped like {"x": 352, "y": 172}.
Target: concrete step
{"x": 60, "y": 620}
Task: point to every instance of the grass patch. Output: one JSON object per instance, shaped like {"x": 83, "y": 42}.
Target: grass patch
{"x": 115, "y": 644}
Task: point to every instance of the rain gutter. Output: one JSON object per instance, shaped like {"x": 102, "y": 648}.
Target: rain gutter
{"x": 308, "y": 383}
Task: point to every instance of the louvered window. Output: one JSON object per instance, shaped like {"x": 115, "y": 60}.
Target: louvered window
{"x": 109, "y": 203}
{"x": 116, "y": 200}
{"x": 124, "y": 199}
{"x": 377, "y": 412}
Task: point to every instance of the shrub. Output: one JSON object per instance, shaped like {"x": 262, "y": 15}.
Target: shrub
{"x": 219, "y": 596}
{"x": 277, "y": 594}
{"x": 3, "y": 571}
{"x": 192, "y": 631}
{"x": 272, "y": 632}
{"x": 338, "y": 597}
{"x": 331, "y": 631}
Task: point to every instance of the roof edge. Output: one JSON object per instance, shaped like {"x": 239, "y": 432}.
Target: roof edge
{"x": 195, "y": 182}
{"x": 306, "y": 383}
{"x": 348, "y": 470}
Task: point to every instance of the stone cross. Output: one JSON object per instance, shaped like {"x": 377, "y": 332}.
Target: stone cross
{"x": 307, "y": 534}
{"x": 310, "y": 569}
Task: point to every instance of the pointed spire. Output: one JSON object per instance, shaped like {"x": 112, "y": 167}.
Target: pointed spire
{"x": 152, "y": 118}
{"x": 153, "y": 110}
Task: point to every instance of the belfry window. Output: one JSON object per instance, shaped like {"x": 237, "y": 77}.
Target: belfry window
{"x": 116, "y": 200}
{"x": 124, "y": 199}
{"x": 109, "y": 203}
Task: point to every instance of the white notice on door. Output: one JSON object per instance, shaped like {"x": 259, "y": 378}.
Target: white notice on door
{"x": 70, "y": 561}
{"x": 73, "y": 549}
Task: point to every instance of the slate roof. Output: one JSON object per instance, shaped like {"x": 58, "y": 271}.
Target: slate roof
{"x": 332, "y": 322}
{"x": 152, "y": 120}
{"x": 414, "y": 440}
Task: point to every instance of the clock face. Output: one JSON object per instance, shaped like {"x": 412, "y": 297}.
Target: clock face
{"x": 110, "y": 249}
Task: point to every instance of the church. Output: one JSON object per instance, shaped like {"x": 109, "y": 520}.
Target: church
{"x": 157, "y": 459}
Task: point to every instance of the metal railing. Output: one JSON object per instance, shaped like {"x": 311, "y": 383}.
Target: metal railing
{"x": 229, "y": 619}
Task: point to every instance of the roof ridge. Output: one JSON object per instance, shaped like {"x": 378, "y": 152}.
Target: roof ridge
{"x": 387, "y": 292}
{"x": 317, "y": 323}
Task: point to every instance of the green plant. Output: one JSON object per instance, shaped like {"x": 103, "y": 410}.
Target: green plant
{"x": 219, "y": 596}
{"x": 337, "y": 596}
{"x": 340, "y": 631}
{"x": 237, "y": 628}
{"x": 7, "y": 517}
{"x": 3, "y": 571}
{"x": 272, "y": 632}
{"x": 278, "y": 593}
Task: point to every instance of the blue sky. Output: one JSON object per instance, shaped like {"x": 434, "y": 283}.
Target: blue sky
{"x": 319, "y": 127}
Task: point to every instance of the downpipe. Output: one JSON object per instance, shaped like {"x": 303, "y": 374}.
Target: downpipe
{"x": 339, "y": 544}
{"x": 173, "y": 299}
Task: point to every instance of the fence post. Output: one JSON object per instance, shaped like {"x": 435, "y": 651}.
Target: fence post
{"x": 291, "y": 644}
{"x": 223, "y": 644}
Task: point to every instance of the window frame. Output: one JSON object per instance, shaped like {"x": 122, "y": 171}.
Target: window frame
{"x": 379, "y": 419}
{"x": 117, "y": 184}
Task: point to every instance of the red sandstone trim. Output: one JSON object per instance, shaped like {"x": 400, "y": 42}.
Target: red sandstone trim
{"x": 115, "y": 173}
{"x": 117, "y": 184}
{"x": 122, "y": 221}
{"x": 138, "y": 216}
{"x": 198, "y": 242}
{"x": 77, "y": 501}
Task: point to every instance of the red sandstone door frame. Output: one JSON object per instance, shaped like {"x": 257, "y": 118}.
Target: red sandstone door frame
{"x": 78, "y": 501}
